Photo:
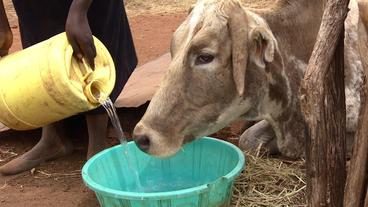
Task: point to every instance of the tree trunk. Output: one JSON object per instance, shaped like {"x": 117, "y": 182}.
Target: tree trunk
{"x": 323, "y": 105}
{"x": 336, "y": 140}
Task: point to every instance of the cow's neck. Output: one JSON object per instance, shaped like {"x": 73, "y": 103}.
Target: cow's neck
{"x": 295, "y": 24}
{"x": 278, "y": 97}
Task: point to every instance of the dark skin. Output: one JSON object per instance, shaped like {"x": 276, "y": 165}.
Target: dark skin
{"x": 78, "y": 31}
{"x": 54, "y": 142}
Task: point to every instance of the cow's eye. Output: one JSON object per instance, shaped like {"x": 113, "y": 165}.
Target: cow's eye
{"x": 204, "y": 59}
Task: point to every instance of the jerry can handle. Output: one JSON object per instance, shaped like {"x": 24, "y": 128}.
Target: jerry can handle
{"x": 82, "y": 69}
{"x": 86, "y": 69}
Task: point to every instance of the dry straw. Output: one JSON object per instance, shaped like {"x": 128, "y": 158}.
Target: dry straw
{"x": 270, "y": 182}
{"x": 141, "y": 7}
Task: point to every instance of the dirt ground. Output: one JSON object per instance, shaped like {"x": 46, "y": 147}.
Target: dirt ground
{"x": 58, "y": 183}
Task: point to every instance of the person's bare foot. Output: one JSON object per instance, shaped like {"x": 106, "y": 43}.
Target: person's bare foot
{"x": 53, "y": 144}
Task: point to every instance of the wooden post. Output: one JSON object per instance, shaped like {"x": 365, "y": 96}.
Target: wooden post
{"x": 323, "y": 105}
{"x": 356, "y": 185}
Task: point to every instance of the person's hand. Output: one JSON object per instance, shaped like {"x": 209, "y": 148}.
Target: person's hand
{"x": 79, "y": 35}
{"x": 6, "y": 40}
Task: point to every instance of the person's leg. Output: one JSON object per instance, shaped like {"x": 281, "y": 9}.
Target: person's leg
{"x": 109, "y": 23}
{"x": 97, "y": 132}
{"x": 53, "y": 144}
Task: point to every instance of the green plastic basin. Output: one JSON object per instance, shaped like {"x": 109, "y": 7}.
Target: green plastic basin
{"x": 200, "y": 175}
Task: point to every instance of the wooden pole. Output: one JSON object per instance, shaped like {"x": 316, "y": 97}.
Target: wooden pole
{"x": 323, "y": 105}
{"x": 356, "y": 186}
{"x": 336, "y": 141}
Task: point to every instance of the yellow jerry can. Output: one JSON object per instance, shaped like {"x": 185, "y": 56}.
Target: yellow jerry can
{"x": 46, "y": 83}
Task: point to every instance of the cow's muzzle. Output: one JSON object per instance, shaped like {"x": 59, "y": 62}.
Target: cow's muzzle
{"x": 156, "y": 143}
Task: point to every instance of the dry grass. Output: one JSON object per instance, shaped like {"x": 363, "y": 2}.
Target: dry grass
{"x": 270, "y": 182}
{"x": 4, "y": 185}
{"x": 39, "y": 174}
{"x": 6, "y": 155}
{"x": 56, "y": 175}
{"x": 139, "y": 7}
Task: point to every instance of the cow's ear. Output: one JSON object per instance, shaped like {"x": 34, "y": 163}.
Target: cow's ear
{"x": 238, "y": 29}
{"x": 262, "y": 46}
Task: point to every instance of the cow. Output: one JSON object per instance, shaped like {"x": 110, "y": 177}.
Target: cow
{"x": 230, "y": 62}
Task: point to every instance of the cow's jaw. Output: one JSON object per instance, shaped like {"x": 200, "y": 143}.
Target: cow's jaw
{"x": 235, "y": 110}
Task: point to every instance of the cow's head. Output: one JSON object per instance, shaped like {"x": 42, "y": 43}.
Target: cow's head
{"x": 218, "y": 54}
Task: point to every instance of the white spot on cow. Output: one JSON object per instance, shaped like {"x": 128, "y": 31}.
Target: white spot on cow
{"x": 272, "y": 107}
{"x": 196, "y": 16}
{"x": 299, "y": 64}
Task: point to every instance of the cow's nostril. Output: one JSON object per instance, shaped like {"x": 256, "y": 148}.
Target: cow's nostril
{"x": 143, "y": 142}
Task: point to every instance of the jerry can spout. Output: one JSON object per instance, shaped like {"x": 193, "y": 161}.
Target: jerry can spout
{"x": 93, "y": 92}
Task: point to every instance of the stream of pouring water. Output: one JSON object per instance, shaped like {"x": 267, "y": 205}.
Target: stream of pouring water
{"x": 111, "y": 111}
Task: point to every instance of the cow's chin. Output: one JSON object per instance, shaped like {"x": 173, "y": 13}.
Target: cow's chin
{"x": 164, "y": 147}
{"x": 177, "y": 144}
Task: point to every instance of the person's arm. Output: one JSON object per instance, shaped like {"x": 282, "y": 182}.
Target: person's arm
{"x": 6, "y": 36}
{"x": 79, "y": 32}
